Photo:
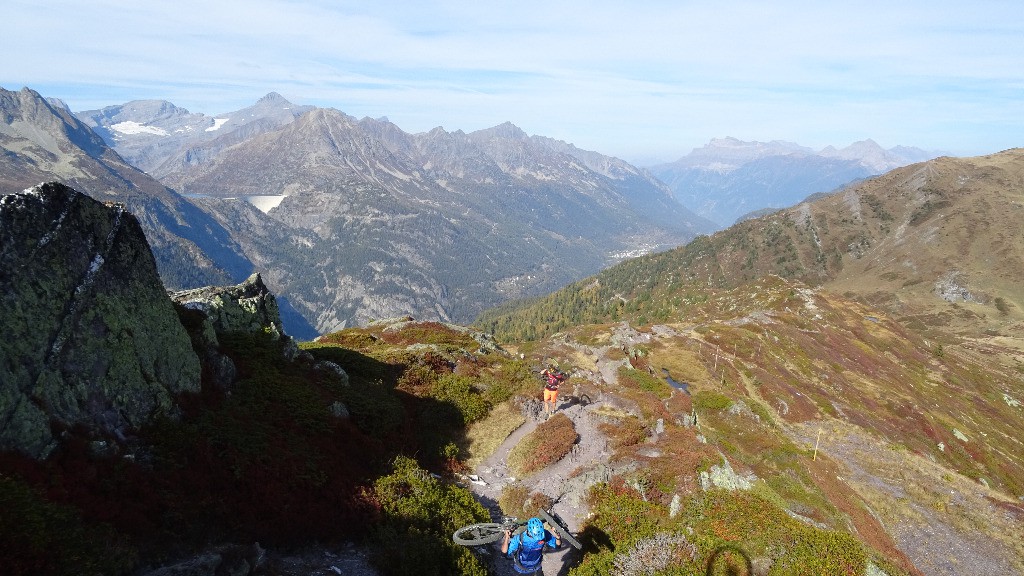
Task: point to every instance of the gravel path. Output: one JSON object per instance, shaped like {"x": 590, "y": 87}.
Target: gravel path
{"x": 565, "y": 482}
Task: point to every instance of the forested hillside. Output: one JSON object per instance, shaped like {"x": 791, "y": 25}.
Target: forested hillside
{"x": 934, "y": 243}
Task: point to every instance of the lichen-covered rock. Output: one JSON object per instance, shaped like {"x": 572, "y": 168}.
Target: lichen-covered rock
{"x": 89, "y": 335}
{"x": 246, "y": 307}
{"x": 725, "y": 477}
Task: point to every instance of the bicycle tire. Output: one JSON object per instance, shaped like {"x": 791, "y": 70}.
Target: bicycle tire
{"x": 562, "y": 531}
{"x": 476, "y": 534}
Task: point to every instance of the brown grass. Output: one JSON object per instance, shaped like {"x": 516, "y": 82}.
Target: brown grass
{"x": 484, "y": 436}
{"x": 544, "y": 446}
{"x": 516, "y": 500}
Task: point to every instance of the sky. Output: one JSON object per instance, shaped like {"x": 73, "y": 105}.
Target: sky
{"x": 644, "y": 80}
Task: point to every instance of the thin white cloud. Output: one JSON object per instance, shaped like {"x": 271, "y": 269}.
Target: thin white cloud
{"x": 646, "y": 77}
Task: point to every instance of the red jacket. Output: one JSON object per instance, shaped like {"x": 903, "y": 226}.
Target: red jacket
{"x": 553, "y": 379}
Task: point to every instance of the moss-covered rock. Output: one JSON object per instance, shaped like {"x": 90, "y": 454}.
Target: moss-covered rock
{"x": 90, "y": 337}
{"x": 247, "y": 307}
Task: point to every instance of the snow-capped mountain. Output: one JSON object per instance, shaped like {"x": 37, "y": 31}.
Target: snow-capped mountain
{"x": 153, "y": 133}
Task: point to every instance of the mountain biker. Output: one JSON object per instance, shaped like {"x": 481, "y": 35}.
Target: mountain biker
{"x": 553, "y": 377}
{"x": 526, "y": 547}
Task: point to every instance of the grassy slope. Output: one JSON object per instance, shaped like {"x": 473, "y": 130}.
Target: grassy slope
{"x": 932, "y": 385}
{"x": 294, "y": 454}
{"x": 771, "y": 363}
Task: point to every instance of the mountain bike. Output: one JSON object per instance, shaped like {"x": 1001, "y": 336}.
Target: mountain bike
{"x": 487, "y": 532}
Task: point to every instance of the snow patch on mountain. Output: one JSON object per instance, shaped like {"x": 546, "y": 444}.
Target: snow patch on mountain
{"x": 217, "y": 123}
{"x": 133, "y": 127}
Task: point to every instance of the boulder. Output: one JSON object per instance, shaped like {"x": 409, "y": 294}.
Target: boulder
{"x": 90, "y": 337}
{"x": 211, "y": 310}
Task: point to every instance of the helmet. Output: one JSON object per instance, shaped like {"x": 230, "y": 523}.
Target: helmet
{"x": 535, "y": 528}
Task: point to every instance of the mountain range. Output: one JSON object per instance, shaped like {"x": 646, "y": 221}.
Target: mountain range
{"x": 934, "y": 244}
{"x": 832, "y": 388}
{"x": 42, "y": 140}
{"x": 728, "y": 179}
{"x": 366, "y": 221}
{"x": 509, "y": 215}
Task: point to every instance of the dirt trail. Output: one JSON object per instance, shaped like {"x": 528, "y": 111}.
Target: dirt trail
{"x": 556, "y": 481}
{"x": 567, "y": 480}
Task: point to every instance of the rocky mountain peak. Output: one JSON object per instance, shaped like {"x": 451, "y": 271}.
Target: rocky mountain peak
{"x": 868, "y": 153}
{"x": 59, "y": 104}
{"x": 48, "y": 130}
{"x": 726, "y": 154}
{"x": 506, "y": 130}
{"x": 273, "y": 98}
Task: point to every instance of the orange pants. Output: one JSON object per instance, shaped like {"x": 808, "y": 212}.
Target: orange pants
{"x": 550, "y": 396}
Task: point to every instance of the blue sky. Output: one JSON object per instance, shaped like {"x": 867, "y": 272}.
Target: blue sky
{"x": 643, "y": 80}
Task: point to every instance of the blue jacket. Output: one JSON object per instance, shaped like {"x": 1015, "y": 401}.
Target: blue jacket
{"x": 527, "y": 550}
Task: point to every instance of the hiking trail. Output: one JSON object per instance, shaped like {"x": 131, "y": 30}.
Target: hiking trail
{"x": 566, "y": 481}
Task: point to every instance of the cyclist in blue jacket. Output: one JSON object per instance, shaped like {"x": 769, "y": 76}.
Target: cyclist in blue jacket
{"x": 526, "y": 547}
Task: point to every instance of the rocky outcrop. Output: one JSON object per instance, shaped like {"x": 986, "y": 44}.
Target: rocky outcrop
{"x": 90, "y": 337}
{"x": 247, "y": 307}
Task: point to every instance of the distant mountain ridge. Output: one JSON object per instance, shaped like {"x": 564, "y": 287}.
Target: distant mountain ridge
{"x": 729, "y": 178}
{"x": 371, "y": 222}
{"x": 152, "y": 133}
{"x": 40, "y": 140}
{"x": 934, "y": 244}
{"x": 439, "y": 224}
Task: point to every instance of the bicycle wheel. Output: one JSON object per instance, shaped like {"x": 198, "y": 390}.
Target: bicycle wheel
{"x": 557, "y": 526}
{"x": 475, "y": 534}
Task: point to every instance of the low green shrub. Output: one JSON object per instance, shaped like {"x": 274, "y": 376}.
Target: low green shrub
{"x": 621, "y": 513}
{"x": 512, "y": 378}
{"x": 459, "y": 391}
{"x": 711, "y": 400}
{"x": 633, "y": 378}
{"x": 420, "y": 514}
{"x": 713, "y": 521}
